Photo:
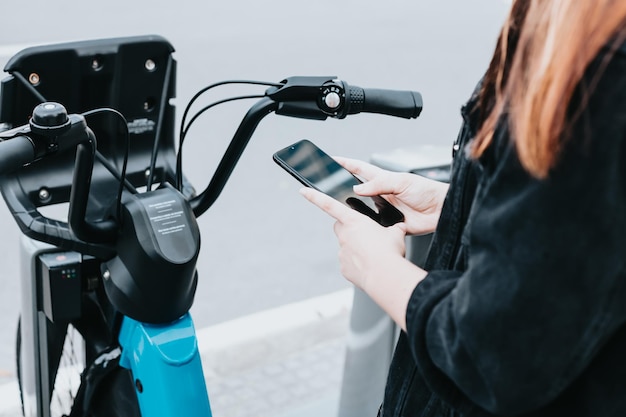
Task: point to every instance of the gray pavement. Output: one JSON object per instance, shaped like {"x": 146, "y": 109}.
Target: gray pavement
{"x": 298, "y": 374}
{"x": 284, "y": 362}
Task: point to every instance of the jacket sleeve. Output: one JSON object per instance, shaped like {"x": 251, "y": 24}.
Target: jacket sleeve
{"x": 545, "y": 282}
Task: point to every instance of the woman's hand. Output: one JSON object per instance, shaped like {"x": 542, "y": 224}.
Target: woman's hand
{"x": 372, "y": 256}
{"x": 364, "y": 245}
{"x": 420, "y": 199}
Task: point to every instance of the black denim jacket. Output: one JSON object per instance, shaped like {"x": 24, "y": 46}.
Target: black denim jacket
{"x": 523, "y": 311}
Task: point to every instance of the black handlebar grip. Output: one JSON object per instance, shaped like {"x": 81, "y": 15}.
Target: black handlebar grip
{"x": 15, "y": 153}
{"x": 406, "y": 104}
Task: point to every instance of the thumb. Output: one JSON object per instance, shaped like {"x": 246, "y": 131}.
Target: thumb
{"x": 401, "y": 226}
{"x": 373, "y": 187}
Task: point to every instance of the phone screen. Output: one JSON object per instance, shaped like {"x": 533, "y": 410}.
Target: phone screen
{"x": 314, "y": 168}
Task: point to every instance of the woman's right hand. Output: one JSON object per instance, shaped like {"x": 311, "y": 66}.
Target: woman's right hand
{"x": 420, "y": 199}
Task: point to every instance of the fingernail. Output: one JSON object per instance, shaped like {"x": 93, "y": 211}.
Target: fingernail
{"x": 358, "y": 187}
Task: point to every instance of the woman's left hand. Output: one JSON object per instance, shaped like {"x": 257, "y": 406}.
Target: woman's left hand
{"x": 365, "y": 247}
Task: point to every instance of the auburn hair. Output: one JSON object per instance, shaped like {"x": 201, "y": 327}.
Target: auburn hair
{"x": 542, "y": 52}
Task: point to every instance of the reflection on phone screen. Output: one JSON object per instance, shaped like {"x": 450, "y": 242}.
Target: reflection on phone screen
{"x": 315, "y": 168}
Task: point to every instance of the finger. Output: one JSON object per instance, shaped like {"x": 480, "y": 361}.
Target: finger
{"x": 401, "y": 227}
{"x": 384, "y": 185}
{"x": 378, "y": 181}
{"x": 332, "y": 207}
{"x": 360, "y": 168}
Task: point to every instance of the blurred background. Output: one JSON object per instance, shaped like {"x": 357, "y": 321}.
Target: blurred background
{"x": 262, "y": 244}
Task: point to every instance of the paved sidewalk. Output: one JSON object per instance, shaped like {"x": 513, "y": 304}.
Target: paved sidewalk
{"x": 287, "y": 375}
{"x": 285, "y": 362}
{"x": 288, "y": 361}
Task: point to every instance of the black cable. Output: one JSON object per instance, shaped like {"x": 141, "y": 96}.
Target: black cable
{"x": 207, "y": 88}
{"x": 183, "y": 134}
{"x": 109, "y": 167}
{"x": 122, "y": 175}
{"x": 157, "y": 135}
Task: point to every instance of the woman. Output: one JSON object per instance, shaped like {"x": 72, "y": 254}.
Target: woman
{"x": 521, "y": 306}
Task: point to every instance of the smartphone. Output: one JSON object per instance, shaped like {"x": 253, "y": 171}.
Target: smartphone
{"x": 314, "y": 168}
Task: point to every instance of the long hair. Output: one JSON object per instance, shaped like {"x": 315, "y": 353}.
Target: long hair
{"x": 542, "y": 52}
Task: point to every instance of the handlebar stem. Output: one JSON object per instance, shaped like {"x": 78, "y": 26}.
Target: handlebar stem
{"x": 257, "y": 112}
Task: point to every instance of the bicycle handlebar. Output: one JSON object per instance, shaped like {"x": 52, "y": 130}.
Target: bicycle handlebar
{"x": 155, "y": 233}
{"x": 50, "y": 130}
{"x": 322, "y": 97}
{"x": 16, "y": 153}
{"x": 314, "y": 98}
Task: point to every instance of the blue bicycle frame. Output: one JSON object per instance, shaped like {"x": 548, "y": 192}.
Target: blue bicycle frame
{"x": 158, "y": 355}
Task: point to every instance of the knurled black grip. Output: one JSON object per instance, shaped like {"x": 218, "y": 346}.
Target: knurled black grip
{"x": 399, "y": 103}
{"x": 356, "y": 97}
